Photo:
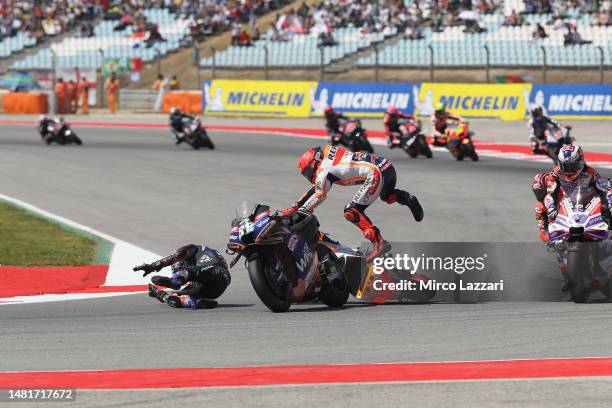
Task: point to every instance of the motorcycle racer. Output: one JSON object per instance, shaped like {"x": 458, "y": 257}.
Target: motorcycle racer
{"x": 199, "y": 276}
{"x": 178, "y": 121}
{"x": 439, "y": 121}
{"x": 392, "y": 124}
{"x": 333, "y": 165}
{"x": 538, "y": 124}
{"x": 571, "y": 173}
{"x": 334, "y": 123}
{"x": 539, "y": 186}
{"x": 44, "y": 123}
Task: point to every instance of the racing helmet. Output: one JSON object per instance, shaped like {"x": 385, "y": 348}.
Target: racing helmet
{"x": 175, "y": 111}
{"x": 392, "y": 110}
{"x": 439, "y": 107}
{"x": 42, "y": 118}
{"x": 571, "y": 161}
{"x": 537, "y": 111}
{"x": 309, "y": 163}
{"x": 328, "y": 108}
{"x": 538, "y": 185}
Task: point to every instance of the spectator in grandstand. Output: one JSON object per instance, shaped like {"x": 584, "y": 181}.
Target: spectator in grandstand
{"x": 603, "y": 18}
{"x": 326, "y": 39}
{"x": 514, "y": 19}
{"x": 539, "y": 33}
{"x": 413, "y": 32}
{"x": 60, "y": 95}
{"x": 573, "y": 37}
{"x": 244, "y": 39}
{"x": 125, "y": 21}
{"x": 112, "y": 92}
{"x": 153, "y": 36}
{"x": 87, "y": 30}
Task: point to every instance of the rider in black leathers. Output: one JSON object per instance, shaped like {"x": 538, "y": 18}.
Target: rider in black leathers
{"x": 178, "y": 121}
{"x": 199, "y": 276}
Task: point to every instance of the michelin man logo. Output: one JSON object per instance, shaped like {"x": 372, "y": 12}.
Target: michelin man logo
{"x": 539, "y": 99}
{"x": 425, "y": 106}
{"x": 213, "y": 102}
{"x": 317, "y": 106}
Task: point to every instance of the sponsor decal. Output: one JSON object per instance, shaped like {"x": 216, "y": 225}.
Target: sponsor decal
{"x": 574, "y": 100}
{"x": 504, "y": 101}
{"x": 362, "y": 98}
{"x": 258, "y": 98}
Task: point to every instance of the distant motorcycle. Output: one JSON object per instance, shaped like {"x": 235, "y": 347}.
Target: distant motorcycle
{"x": 58, "y": 131}
{"x": 459, "y": 141}
{"x": 412, "y": 139}
{"x": 353, "y": 136}
{"x": 554, "y": 138}
{"x": 194, "y": 134}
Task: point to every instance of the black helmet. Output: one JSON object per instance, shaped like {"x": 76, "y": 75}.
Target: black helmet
{"x": 537, "y": 111}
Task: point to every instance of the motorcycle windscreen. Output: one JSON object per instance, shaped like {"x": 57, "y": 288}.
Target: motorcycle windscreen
{"x": 245, "y": 209}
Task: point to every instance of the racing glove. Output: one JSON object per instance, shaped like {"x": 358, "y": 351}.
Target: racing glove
{"x": 146, "y": 268}
{"x": 291, "y": 210}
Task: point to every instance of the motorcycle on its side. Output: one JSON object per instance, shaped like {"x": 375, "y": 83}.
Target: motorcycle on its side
{"x": 331, "y": 271}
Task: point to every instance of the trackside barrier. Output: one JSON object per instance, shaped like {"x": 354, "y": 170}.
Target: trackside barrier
{"x": 299, "y": 99}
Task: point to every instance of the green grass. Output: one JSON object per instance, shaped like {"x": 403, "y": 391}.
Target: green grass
{"x": 29, "y": 240}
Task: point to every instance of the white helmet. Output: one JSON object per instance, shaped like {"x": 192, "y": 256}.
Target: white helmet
{"x": 571, "y": 161}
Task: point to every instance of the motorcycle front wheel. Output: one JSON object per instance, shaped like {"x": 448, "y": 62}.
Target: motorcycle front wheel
{"x": 578, "y": 274}
{"x": 262, "y": 283}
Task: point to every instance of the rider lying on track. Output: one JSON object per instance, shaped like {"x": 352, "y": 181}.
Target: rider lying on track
{"x": 334, "y": 165}
{"x": 199, "y": 276}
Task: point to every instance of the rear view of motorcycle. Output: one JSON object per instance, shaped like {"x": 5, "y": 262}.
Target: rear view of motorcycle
{"x": 554, "y": 138}
{"x": 459, "y": 141}
{"x": 413, "y": 140}
{"x": 354, "y": 137}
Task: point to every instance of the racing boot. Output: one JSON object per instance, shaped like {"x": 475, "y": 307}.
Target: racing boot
{"x": 204, "y": 303}
{"x": 157, "y": 293}
{"x": 174, "y": 301}
{"x": 379, "y": 245}
{"x": 405, "y": 198}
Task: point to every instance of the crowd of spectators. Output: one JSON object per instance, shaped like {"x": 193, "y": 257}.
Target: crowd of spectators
{"x": 45, "y": 17}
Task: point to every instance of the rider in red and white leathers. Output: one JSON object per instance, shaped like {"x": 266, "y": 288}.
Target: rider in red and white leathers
{"x": 376, "y": 175}
{"x": 392, "y": 123}
{"x": 439, "y": 122}
{"x": 571, "y": 173}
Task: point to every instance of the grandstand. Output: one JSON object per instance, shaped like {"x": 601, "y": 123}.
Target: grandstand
{"x": 123, "y": 45}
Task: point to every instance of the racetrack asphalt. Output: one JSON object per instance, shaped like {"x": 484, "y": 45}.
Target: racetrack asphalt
{"x": 134, "y": 184}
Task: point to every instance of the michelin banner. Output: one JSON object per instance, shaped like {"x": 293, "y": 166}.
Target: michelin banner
{"x": 259, "y": 98}
{"x": 363, "y": 98}
{"x": 503, "y": 101}
{"x": 573, "y": 101}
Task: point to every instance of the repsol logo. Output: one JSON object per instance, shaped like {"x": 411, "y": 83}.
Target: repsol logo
{"x": 266, "y": 98}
